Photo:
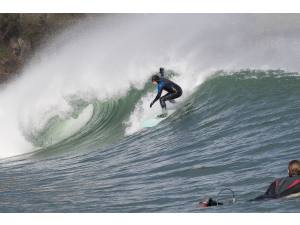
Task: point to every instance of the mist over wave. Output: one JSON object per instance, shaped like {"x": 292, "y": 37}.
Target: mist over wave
{"x": 103, "y": 58}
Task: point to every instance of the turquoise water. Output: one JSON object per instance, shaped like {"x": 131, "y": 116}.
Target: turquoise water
{"x": 237, "y": 130}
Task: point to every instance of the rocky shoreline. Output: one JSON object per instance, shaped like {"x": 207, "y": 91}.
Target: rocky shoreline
{"x": 21, "y": 34}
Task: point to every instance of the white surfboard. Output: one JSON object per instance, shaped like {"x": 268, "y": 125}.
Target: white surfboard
{"x": 152, "y": 122}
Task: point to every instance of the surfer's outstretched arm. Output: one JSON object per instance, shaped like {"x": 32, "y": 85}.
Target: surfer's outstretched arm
{"x": 162, "y": 71}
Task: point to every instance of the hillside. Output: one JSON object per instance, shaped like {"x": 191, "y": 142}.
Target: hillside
{"x": 21, "y": 34}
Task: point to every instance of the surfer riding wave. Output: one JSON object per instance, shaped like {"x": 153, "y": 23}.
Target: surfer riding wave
{"x": 173, "y": 89}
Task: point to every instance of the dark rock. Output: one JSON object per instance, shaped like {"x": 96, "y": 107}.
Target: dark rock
{"x": 21, "y": 34}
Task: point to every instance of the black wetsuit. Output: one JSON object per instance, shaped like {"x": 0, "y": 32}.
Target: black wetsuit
{"x": 174, "y": 91}
{"x": 282, "y": 187}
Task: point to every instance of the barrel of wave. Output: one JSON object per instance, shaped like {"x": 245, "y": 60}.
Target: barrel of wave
{"x": 63, "y": 129}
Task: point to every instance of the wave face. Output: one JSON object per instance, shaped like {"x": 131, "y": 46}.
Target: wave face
{"x": 76, "y": 114}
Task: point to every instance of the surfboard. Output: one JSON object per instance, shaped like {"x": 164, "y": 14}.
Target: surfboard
{"x": 152, "y": 122}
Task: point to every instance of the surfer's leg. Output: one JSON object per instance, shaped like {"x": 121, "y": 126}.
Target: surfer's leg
{"x": 163, "y": 100}
{"x": 169, "y": 97}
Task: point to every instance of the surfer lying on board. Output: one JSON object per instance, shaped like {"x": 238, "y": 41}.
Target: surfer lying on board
{"x": 281, "y": 187}
{"x": 174, "y": 90}
{"x": 286, "y": 186}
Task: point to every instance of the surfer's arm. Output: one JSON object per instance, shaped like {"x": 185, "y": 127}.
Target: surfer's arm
{"x": 157, "y": 97}
{"x": 270, "y": 193}
{"x": 272, "y": 189}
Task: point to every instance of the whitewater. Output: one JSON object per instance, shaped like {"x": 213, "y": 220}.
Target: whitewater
{"x": 71, "y": 135}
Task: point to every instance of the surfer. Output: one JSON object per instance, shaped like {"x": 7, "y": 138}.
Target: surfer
{"x": 281, "y": 187}
{"x": 174, "y": 90}
{"x": 285, "y": 186}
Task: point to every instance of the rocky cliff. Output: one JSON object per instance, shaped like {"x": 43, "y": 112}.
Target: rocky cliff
{"x": 21, "y": 34}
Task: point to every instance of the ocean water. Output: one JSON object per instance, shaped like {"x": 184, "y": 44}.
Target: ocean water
{"x": 71, "y": 125}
